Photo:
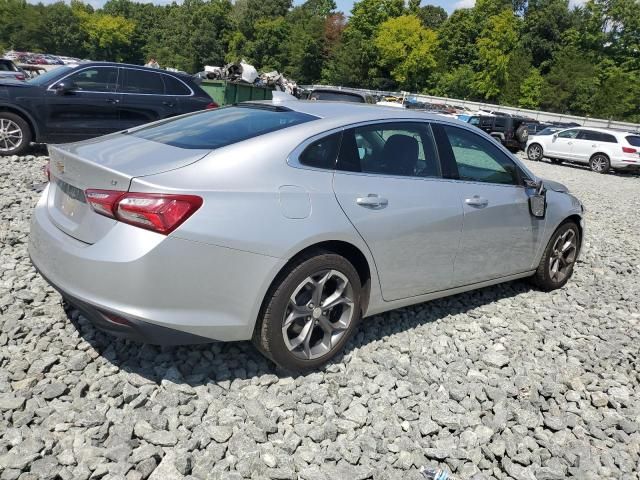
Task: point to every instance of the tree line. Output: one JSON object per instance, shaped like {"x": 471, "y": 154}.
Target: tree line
{"x": 540, "y": 54}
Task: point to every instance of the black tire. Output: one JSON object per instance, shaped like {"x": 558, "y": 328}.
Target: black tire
{"x": 535, "y": 152}
{"x": 556, "y": 161}
{"x": 269, "y": 337}
{"x": 522, "y": 134}
{"x": 543, "y": 278}
{"x": 600, "y": 163}
{"x": 25, "y": 135}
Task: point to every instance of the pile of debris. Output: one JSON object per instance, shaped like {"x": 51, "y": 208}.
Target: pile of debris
{"x": 246, "y": 73}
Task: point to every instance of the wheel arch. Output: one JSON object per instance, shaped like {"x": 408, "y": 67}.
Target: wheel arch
{"x": 605, "y": 154}
{"x": 577, "y": 219}
{"x": 339, "y": 247}
{"x": 35, "y": 132}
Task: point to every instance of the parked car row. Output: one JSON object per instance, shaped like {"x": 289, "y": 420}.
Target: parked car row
{"x": 74, "y": 103}
{"x": 602, "y": 149}
{"x": 30, "y": 58}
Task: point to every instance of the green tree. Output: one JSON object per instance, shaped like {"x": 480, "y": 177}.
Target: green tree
{"x": 531, "y": 90}
{"x": 495, "y": 45}
{"x": 107, "y": 36}
{"x": 545, "y": 22}
{"x": 432, "y": 16}
{"x": 408, "y": 50}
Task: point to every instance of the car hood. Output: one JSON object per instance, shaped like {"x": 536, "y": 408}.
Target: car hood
{"x": 555, "y": 186}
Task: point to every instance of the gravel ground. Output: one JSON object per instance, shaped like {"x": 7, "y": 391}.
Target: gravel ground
{"x": 506, "y": 382}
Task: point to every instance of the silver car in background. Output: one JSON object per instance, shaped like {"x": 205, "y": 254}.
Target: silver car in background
{"x": 287, "y": 223}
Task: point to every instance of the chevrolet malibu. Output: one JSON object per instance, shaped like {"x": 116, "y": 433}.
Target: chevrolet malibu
{"x": 287, "y": 223}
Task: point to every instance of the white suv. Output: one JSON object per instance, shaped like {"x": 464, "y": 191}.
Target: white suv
{"x": 601, "y": 149}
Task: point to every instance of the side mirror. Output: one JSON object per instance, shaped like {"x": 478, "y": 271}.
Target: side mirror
{"x": 538, "y": 199}
{"x": 62, "y": 88}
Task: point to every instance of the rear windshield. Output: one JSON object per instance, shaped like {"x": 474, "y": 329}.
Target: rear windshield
{"x": 336, "y": 96}
{"x": 221, "y": 127}
{"x": 633, "y": 140}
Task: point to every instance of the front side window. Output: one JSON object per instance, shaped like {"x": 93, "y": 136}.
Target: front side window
{"x": 568, "y": 134}
{"x": 321, "y": 153}
{"x": 218, "y": 128}
{"x": 478, "y": 159}
{"x": 142, "y": 82}
{"x": 403, "y": 149}
{"x": 103, "y": 79}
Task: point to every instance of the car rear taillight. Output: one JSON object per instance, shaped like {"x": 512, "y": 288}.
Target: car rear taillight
{"x": 20, "y": 77}
{"x": 629, "y": 150}
{"x": 154, "y": 211}
{"x": 212, "y": 105}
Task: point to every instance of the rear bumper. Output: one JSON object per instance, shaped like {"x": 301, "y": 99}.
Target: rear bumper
{"x": 625, "y": 163}
{"x": 167, "y": 290}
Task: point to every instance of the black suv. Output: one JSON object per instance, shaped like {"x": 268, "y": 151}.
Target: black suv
{"x": 75, "y": 103}
{"x": 512, "y": 132}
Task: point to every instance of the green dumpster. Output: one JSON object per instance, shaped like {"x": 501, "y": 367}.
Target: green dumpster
{"x": 226, "y": 93}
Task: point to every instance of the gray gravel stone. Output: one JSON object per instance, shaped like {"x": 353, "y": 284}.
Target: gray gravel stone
{"x": 505, "y": 382}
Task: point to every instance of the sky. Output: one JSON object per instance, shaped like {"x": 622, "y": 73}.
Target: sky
{"x": 343, "y": 5}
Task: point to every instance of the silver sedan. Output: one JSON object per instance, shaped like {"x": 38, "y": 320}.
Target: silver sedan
{"x": 287, "y": 223}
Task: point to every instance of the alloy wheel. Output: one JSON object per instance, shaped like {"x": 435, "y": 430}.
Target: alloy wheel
{"x": 10, "y": 135}
{"x": 563, "y": 255}
{"x": 535, "y": 152}
{"x": 318, "y": 314}
{"x": 599, "y": 163}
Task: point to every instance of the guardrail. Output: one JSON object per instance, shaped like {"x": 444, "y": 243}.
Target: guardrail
{"x": 535, "y": 114}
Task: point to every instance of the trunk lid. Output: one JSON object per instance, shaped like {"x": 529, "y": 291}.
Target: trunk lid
{"x": 107, "y": 163}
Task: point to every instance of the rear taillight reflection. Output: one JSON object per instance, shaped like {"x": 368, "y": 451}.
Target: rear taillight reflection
{"x": 46, "y": 169}
{"x": 212, "y": 105}
{"x": 157, "y": 212}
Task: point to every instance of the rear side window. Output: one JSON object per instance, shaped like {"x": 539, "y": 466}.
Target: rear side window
{"x": 500, "y": 122}
{"x": 478, "y": 159}
{"x": 322, "y": 153}
{"x": 607, "y": 137}
{"x": 398, "y": 148}
{"x": 142, "y": 82}
{"x": 633, "y": 140}
{"x": 221, "y": 127}
{"x": 173, "y": 86}
{"x": 336, "y": 96}
{"x": 588, "y": 135}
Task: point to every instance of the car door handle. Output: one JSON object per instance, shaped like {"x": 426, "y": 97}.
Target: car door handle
{"x": 569, "y": 143}
{"x": 477, "y": 201}
{"x": 113, "y": 100}
{"x": 372, "y": 201}
{"x": 168, "y": 104}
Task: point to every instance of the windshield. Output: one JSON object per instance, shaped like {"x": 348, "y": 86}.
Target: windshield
{"x": 548, "y": 131}
{"x": 336, "y": 96}
{"x": 633, "y": 140}
{"x": 45, "y": 78}
{"x": 221, "y": 127}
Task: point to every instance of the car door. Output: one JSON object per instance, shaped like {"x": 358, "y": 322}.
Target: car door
{"x": 586, "y": 143}
{"x": 86, "y": 108}
{"x": 143, "y": 97}
{"x": 500, "y": 237}
{"x": 560, "y": 145}
{"x": 389, "y": 184}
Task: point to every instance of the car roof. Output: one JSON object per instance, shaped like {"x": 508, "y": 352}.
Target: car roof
{"x": 350, "y": 111}
{"x": 130, "y": 65}
{"x": 604, "y": 130}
